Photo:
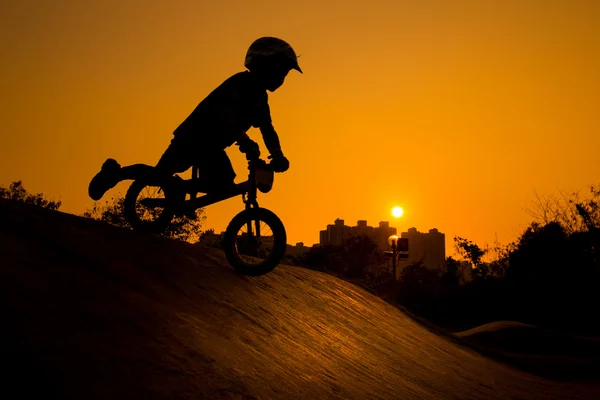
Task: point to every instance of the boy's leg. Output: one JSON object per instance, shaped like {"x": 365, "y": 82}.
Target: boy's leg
{"x": 216, "y": 171}
{"x": 173, "y": 160}
{"x": 176, "y": 159}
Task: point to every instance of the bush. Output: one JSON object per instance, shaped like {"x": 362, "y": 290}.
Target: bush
{"x": 16, "y": 191}
{"x": 180, "y": 228}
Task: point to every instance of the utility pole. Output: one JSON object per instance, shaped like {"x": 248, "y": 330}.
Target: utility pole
{"x": 399, "y": 252}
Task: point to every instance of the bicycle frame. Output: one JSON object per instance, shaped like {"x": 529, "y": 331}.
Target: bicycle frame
{"x": 260, "y": 178}
{"x": 247, "y": 187}
{"x": 242, "y": 188}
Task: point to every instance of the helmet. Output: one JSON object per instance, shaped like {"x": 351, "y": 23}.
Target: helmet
{"x": 271, "y": 48}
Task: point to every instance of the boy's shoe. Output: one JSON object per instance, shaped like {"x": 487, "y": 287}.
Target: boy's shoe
{"x": 104, "y": 180}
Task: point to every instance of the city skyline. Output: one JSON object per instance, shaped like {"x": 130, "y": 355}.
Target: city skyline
{"x": 428, "y": 247}
{"x": 336, "y": 233}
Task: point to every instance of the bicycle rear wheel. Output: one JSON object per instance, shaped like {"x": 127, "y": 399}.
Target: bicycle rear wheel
{"x": 148, "y": 207}
{"x": 255, "y": 241}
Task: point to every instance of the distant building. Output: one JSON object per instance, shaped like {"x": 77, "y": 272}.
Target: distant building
{"x": 429, "y": 247}
{"x": 334, "y": 234}
{"x": 362, "y": 228}
{"x": 382, "y": 233}
{"x": 210, "y": 238}
{"x": 338, "y": 232}
{"x": 323, "y": 238}
{"x": 296, "y": 250}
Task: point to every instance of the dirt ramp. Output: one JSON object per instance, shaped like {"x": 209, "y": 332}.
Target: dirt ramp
{"x": 91, "y": 311}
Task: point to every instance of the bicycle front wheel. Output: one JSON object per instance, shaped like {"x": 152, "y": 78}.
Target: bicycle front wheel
{"x": 255, "y": 241}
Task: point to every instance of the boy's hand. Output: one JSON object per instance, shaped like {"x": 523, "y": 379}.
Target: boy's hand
{"x": 279, "y": 162}
{"x": 250, "y": 148}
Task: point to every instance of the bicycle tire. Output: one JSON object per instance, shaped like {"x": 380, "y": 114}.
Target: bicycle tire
{"x": 279, "y": 244}
{"x": 131, "y": 216}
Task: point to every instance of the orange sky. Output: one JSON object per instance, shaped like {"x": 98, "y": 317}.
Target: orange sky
{"x": 455, "y": 110}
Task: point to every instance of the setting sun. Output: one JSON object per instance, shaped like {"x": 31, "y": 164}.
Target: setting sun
{"x": 397, "y": 212}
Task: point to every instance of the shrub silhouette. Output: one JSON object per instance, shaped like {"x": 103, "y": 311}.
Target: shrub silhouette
{"x": 358, "y": 258}
{"x": 548, "y": 277}
{"x": 417, "y": 282}
{"x": 180, "y": 228}
{"x": 16, "y": 191}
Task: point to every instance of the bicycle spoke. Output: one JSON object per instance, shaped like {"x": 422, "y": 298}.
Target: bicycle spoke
{"x": 150, "y": 204}
{"x": 255, "y": 244}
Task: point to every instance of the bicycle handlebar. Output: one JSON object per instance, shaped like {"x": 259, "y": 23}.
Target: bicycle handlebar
{"x": 258, "y": 162}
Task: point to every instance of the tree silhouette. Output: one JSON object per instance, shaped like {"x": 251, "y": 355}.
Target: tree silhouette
{"x": 357, "y": 257}
{"x": 450, "y": 278}
{"x": 418, "y": 282}
{"x": 473, "y": 254}
{"x": 16, "y": 191}
{"x": 576, "y": 212}
{"x": 360, "y": 256}
{"x": 180, "y": 228}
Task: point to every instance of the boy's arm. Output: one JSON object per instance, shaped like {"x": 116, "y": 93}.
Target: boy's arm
{"x": 271, "y": 139}
{"x": 278, "y": 161}
{"x": 248, "y": 147}
{"x": 262, "y": 120}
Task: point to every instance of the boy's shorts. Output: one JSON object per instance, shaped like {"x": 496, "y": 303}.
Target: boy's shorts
{"x": 214, "y": 166}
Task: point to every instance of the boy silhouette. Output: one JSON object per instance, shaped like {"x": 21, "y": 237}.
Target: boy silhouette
{"x": 219, "y": 121}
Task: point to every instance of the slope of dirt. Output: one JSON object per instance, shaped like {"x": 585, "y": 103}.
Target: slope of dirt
{"x": 541, "y": 351}
{"x": 91, "y": 311}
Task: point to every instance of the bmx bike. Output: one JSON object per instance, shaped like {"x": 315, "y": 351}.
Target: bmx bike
{"x": 255, "y": 239}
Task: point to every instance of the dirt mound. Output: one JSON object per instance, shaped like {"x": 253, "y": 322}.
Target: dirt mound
{"x": 91, "y": 311}
{"x": 541, "y": 351}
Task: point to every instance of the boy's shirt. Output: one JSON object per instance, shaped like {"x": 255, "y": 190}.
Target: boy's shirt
{"x": 227, "y": 113}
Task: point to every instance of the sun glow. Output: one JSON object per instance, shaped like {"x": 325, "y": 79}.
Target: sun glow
{"x": 397, "y": 212}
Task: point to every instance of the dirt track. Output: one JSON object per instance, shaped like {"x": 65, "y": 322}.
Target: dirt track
{"x": 91, "y": 311}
